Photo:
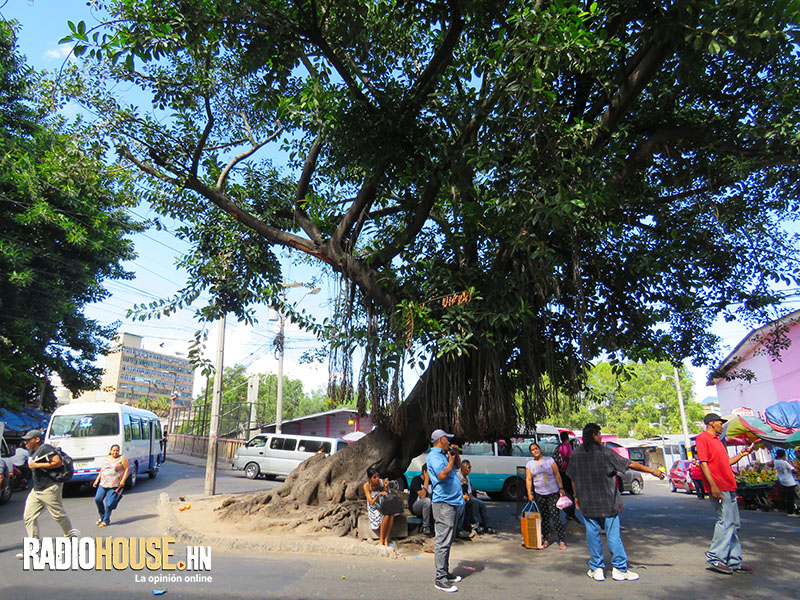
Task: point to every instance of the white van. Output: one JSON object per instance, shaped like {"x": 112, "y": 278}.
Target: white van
{"x": 87, "y": 430}
{"x": 273, "y": 454}
{"x": 495, "y": 464}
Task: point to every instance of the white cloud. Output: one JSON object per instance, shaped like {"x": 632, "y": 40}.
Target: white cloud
{"x": 57, "y": 53}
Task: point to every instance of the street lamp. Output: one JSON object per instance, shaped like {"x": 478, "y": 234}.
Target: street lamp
{"x": 279, "y": 403}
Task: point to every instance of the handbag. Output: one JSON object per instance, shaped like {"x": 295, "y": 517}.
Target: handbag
{"x": 389, "y": 505}
{"x": 530, "y": 521}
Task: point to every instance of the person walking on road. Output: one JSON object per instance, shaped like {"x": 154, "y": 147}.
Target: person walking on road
{"x": 593, "y": 469}
{"x": 725, "y": 553}
{"x": 543, "y": 482}
{"x": 47, "y": 492}
{"x": 110, "y": 482}
{"x": 787, "y": 482}
{"x": 447, "y": 504}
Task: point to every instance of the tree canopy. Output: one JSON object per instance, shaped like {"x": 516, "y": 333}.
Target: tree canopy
{"x": 508, "y": 190}
{"x": 62, "y": 233}
{"x": 642, "y": 404}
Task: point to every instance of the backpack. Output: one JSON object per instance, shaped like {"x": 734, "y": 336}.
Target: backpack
{"x": 65, "y": 471}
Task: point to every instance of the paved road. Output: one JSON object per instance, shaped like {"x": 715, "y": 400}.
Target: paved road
{"x": 665, "y": 534}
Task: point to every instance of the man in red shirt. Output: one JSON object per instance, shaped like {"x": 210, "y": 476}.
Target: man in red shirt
{"x": 725, "y": 553}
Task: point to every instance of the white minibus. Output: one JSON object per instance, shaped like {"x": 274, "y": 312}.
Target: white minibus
{"x": 87, "y": 430}
{"x": 277, "y": 454}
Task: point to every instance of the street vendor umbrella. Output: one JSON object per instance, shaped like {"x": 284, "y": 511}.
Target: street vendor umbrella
{"x": 739, "y": 431}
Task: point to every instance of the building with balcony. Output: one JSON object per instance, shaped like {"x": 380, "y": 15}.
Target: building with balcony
{"x": 134, "y": 375}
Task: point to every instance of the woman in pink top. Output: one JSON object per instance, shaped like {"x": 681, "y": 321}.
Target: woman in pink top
{"x": 110, "y": 482}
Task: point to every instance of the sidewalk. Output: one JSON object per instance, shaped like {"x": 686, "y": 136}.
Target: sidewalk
{"x": 196, "y": 461}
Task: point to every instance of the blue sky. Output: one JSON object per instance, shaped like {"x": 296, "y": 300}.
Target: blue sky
{"x": 43, "y": 23}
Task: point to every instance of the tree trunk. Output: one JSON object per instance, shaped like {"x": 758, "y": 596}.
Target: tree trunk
{"x": 325, "y": 493}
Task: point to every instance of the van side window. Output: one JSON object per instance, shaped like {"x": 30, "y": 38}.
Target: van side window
{"x": 145, "y": 429}
{"x": 157, "y": 429}
{"x": 341, "y": 445}
{"x": 314, "y": 446}
{"x": 136, "y": 430}
{"x": 289, "y": 444}
{"x": 257, "y": 442}
{"x": 126, "y": 420}
{"x": 478, "y": 449}
{"x": 276, "y": 443}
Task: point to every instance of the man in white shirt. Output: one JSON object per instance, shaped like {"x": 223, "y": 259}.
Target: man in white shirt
{"x": 787, "y": 482}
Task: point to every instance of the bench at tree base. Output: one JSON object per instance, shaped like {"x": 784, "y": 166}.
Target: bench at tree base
{"x": 399, "y": 529}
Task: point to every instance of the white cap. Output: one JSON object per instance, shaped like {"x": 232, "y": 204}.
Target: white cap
{"x": 439, "y": 434}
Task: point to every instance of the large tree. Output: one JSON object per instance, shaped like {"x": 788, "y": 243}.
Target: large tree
{"x": 62, "y": 228}
{"x": 507, "y": 190}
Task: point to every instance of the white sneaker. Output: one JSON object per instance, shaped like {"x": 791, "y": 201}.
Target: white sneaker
{"x": 445, "y": 586}
{"x": 618, "y": 575}
{"x": 596, "y": 574}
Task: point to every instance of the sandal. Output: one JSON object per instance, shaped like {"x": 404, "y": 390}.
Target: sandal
{"x": 545, "y": 545}
{"x": 98, "y": 522}
{"x": 103, "y": 524}
{"x": 562, "y": 546}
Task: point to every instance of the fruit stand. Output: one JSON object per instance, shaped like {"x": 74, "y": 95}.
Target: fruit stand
{"x": 754, "y": 485}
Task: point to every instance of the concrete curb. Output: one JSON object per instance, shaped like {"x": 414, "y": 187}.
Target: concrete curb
{"x": 284, "y": 543}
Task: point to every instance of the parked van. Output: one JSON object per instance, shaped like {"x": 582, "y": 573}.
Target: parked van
{"x": 494, "y": 464}
{"x": 273, "y": 454}
{"x": 87, "y": 430}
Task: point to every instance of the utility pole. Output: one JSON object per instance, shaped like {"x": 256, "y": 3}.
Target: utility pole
{"x": 685, "y": 426}
{"x": 282, "y": 342}
{"x": 252, "y": 399}
{"x": 216, "y": 401}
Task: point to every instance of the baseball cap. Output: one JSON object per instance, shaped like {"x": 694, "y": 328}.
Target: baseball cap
{"x": 438, "y": 434}
{"x": 711, "y": 417}
{"x": 33, "y": 433}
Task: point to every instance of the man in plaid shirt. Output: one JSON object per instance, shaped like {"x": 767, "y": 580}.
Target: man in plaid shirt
{"x": 593, "y": 469}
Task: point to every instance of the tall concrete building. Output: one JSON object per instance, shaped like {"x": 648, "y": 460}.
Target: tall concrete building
{"x": 134, "y": 375}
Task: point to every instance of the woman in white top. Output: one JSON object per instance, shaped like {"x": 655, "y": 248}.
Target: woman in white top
{"x": 543, "y": 481}
{"x": 110, "y": 482}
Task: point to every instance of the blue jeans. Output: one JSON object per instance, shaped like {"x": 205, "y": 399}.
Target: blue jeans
{"x": 725, "y": 545}
{"x": 104, "y": 498}
{"x": 619, "y": 559}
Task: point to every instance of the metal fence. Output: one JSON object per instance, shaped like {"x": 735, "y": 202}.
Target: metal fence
{"x": 237, "y": 420}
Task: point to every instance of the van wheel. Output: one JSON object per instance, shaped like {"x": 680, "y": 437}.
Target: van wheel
{"x": 5, "y": 493}
{"x": 154, "y": 472}
{"x": 495, "y": 495}
{"x": 512, "y": 489}
{"x": 636, "y": 487}
{"x": 131, "y": 483}
{"x": 401, "y": 484}
{"x": 251, "y": 471}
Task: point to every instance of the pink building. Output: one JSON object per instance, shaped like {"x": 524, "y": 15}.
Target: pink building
{"x": 775, "y": 380}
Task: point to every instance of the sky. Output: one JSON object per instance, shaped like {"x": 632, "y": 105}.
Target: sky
{"x": 43, "y": 23}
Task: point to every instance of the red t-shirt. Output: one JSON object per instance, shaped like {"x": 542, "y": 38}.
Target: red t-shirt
{"x": 711, "y": 450}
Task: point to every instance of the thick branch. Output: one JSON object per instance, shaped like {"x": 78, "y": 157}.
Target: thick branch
{"x": 362, "y": 201}
{"x": 198, "y": 151}
{"x": 441, "y": 59}
{"x": 237, "y": 159}
{"x": 300, "y": 215}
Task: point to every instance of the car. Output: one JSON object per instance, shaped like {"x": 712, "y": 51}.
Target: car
{"x": 631, "y": 481}
{"x": 679, "y": 477}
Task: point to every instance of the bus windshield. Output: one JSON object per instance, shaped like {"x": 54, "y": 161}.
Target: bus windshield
{"x": 86, "y": 425}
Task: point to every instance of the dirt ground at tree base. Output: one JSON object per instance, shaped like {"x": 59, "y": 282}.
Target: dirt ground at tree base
{"x": 201, "y": 523}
